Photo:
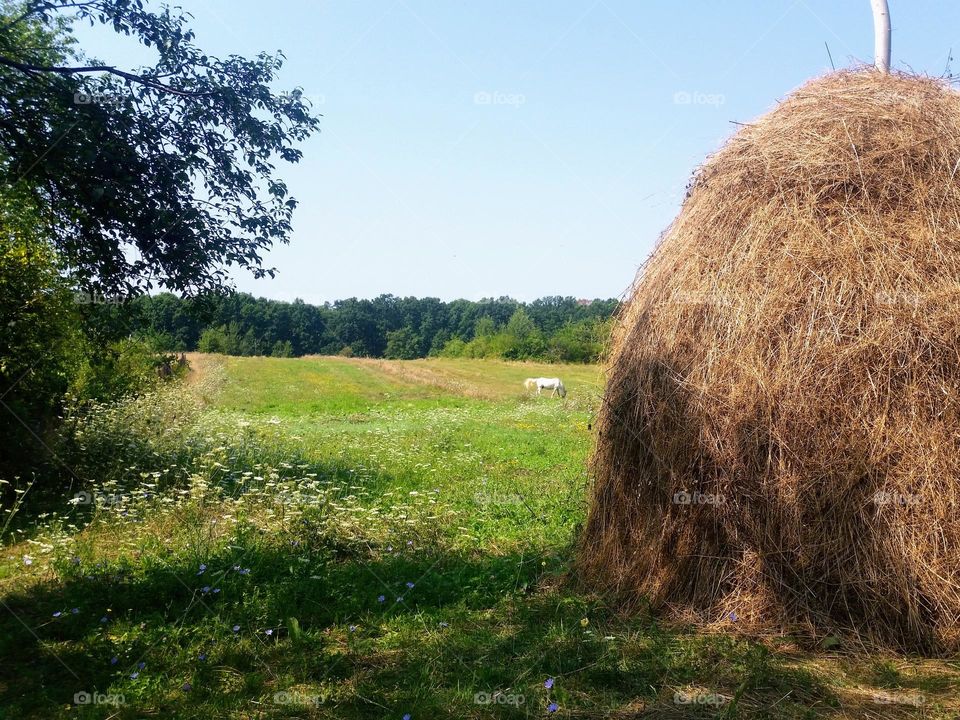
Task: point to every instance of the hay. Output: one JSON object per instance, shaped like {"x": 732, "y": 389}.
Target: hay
{"x": 792, "y": 348}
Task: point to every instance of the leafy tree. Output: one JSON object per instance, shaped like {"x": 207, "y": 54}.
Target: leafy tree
{"x": 402, "y": 344}
{"x": 282, "y": 349}
{"x": 41, "y": 347}
{"x": 159, "y": 175}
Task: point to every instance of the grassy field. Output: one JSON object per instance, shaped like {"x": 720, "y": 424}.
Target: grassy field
{"x": 340, "y": 538}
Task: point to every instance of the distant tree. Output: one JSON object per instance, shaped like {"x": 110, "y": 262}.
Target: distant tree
{"x": 282, "y": 349}
{"x": 402, "y": 344}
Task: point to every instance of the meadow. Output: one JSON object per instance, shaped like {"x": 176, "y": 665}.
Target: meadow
{"x": 342, "y": 538}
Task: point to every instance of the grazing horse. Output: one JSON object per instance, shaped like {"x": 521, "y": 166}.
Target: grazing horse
{"x": 553, "y": 384}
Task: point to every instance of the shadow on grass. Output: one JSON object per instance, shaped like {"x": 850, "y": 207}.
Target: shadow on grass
{"x": 346, "y": 637}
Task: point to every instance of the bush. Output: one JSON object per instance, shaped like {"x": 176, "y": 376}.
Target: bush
{"x": 40, "y": 346}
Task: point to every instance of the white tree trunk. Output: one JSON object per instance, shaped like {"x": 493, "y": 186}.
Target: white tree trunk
{"x": 881, "y": 29}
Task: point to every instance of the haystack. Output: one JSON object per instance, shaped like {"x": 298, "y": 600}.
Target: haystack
{"x": 780, "y": 437}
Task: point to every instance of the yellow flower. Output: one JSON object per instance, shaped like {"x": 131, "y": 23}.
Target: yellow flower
{"x": 584, "y": 622}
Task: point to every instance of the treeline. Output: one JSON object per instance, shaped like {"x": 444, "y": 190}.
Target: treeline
{"x": 558, "y": 329}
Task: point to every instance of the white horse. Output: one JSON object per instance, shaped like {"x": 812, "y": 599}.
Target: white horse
{"x": 553, "y": 384}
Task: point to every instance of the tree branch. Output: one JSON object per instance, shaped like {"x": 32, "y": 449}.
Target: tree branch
{"x": 132, "y": 77}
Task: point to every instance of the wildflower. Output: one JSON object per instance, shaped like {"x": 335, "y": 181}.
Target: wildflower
{"x": 236, "y": 628}
{"x": 134, "y": 675}
{"x": 410, "y": 585}
{"x": 202, "y": 657}
{"x": 75, "y": 611}
{"x": 552, "y": 708}
{"x": 114, "y": 660}
{"x": 352, "y": 628}
{"x": 205, "y": 589}
{"x": 409, "y": 543}
{"x": 104, "y": 620}
{"x": 548, "y": 684}
{"x": 444, "y": 624}
{"x": 141, "y": 665}
{"x": 203, "y": 569}
{"x": 389, "y": 548}
{"x": 406, "y": 717}
{"x": 57, "y": 613}
{"x": 186, "y": 687}
{"x": 268, "y": 632}
{"x": 216, "y": 590}
{"x": 584, "y": 622}
{"x": 733, "y": 616}
{"x": 245, "y": 571}
{"x": 381, "y": 599}
{"x": 27, "y": 560}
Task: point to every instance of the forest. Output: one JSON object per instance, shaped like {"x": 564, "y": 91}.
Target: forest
{"x": 553, "y": 329}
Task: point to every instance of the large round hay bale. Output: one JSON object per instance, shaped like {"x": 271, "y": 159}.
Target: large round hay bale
{"x": 780, "y": 435}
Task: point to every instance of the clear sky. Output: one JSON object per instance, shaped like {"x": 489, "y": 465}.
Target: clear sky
{"x": 522, "y": 147}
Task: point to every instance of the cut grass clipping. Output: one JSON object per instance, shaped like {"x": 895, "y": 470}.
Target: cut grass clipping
{"x": 779, "y": 436}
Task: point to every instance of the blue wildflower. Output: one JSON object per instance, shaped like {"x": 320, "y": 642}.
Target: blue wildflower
{"x": 57, "y": 613}
{"x": 202, "y": 656}
{"x": 114, "y": 660}
{"x": 268, "y": 632}
{"x": 381, "y": 599}
{"x": 548, "y": 684}
{"x": 203, "y": 569}
{"x": 236, "y": 628}
{"x": 552, "y": 708}
{"x": 141, "y": 665}
{"x": 352, "y": 628}
{"x": 186, "y": 687}
{"x": 410, "y": 585}
{"x": 134, "y": 675}
{"x": 75, "y": 611}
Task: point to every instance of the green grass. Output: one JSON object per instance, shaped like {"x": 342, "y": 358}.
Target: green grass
{"x": 309, "y": 488}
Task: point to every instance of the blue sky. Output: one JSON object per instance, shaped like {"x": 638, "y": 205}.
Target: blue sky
{"x": 523, "y": 148}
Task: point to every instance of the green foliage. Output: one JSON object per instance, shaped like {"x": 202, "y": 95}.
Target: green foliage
{"x": 282, "y": 348}
{"x": 221, "y": 512}
{"x": 113, "y": 159}
{"x": 402, "y": 344}
{"x": 40, "y": 342}
{"x": 121, "y": 368}
{"x": 560, "y": 330}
